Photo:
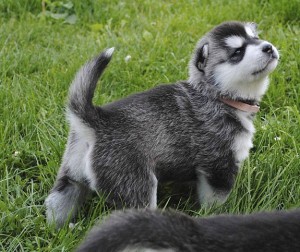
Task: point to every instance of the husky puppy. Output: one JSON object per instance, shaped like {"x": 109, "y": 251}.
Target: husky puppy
{"x": 141, "y": 231}
{"x": 195, "y": 130}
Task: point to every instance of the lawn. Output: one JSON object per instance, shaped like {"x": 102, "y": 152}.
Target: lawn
{"x": 42, "y": 46}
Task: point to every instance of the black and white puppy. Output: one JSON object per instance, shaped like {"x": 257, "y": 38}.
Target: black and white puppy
{"x": 195, "y": 130}
{"x": 155, "y": 231}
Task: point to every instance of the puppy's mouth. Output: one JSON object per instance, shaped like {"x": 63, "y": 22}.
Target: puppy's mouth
{"x": 272, "y": 58}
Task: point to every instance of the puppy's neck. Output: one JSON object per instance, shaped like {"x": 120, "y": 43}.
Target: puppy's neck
{"x": 248, "y": 91}
{"x": 248, "y": 106}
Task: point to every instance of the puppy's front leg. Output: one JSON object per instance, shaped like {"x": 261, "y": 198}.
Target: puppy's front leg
{"x": 153, "y": 192}
{"x": 214, "y": 189}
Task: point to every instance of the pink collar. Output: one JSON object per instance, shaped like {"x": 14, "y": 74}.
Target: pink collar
{"x": 240, "y": 105}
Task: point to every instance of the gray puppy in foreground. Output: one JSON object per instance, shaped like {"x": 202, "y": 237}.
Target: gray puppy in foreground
{"x": 150, "y": 231}
{"x": 195, "y": 130}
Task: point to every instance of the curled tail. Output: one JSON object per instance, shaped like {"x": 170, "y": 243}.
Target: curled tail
{"x": 83, "y": 86}
{"x": 147, "y": 230}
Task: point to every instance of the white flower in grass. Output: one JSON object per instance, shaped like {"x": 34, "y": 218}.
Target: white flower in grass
{"x": 127, "y": 58}
{"x": 16, "y": 153}
{"x": 277, "y": 138}
{"x": 71, "y": 226}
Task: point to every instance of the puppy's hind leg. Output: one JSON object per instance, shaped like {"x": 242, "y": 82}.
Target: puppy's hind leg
{"x": 72, "y": 184}
{"x": 64, "y": 200}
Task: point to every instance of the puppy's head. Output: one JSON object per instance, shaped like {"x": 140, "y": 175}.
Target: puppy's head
{"x": 235, "y": 60}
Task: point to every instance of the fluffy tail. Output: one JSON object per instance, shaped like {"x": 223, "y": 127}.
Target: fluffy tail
{"x": 146, "y": 230}
{"x": 83, "y": 86}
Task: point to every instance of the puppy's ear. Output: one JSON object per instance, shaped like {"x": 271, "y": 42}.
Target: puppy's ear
{"x": 253, "y": 27}
{"x": 201, "y": 58}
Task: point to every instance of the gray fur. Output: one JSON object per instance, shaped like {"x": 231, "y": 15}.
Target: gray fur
{"x": 176, "y": 232}
{"x": 178, "y": 132}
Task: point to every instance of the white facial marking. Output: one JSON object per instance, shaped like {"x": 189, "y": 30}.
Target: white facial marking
{"x": 249, "y": 31}
{"x": 234, "y": 41}
{"x": 239, "y": 79}
{"x": 232, "y": 81}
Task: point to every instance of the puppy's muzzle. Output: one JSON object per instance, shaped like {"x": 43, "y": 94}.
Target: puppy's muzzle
{"x": 269, "y": 49}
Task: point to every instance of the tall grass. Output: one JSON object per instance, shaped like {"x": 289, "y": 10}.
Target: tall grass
{"x": 39, "y": 55}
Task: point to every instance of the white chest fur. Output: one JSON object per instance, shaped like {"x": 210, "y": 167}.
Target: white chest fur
{"x": 243, "y": 141}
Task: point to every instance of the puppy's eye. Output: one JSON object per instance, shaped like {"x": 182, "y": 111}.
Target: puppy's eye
{"x": 236, "y": 53}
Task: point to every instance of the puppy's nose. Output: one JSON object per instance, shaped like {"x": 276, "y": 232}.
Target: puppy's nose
{"x": 268, "y": 48}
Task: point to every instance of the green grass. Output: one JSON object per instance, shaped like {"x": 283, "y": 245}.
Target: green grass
{"x": 39, "y": 56}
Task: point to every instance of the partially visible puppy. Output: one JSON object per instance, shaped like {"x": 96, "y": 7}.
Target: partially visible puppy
{"x": 155, "y": 231}
{"x": 196, "y": 130}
